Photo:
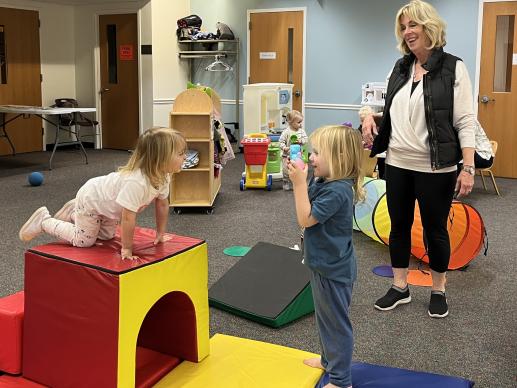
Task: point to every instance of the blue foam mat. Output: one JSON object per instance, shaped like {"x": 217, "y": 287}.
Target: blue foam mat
{"x": 376, "y": 376}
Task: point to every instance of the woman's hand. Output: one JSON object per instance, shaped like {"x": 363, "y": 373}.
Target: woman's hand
{"x": 369, "y": 130}
{"x": 464, "y": 184}
{"x": 127, "y": 253}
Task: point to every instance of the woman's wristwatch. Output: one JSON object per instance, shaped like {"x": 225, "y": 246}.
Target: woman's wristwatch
{"x": 471, "y": 170}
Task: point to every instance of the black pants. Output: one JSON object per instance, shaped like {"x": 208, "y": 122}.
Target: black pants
{"x": 434, "y": 192}
{"x": 479, "y": 162}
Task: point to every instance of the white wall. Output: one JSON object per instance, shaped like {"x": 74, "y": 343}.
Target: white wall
{"x": 57, "y": 51}
{"x": 169, "y": 73}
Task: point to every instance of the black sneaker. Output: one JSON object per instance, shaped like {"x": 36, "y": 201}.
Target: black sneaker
{"x": 392, "y": 299}
{"x": 438, "y": 306}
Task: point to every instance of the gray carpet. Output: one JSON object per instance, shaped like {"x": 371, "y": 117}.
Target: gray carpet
{"x": 478, "y": 340}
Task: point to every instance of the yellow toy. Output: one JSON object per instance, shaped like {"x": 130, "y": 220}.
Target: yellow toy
{"x": 255, "y": 156}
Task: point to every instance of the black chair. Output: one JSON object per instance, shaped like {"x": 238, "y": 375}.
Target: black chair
{"x": 76, "y": 120}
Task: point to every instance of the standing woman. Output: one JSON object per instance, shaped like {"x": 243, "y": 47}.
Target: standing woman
{"x": 427, "y": 126}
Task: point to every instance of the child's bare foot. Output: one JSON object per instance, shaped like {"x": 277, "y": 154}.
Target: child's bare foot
{"x": 313, "y": 362}
{"x": 330, "y": 385}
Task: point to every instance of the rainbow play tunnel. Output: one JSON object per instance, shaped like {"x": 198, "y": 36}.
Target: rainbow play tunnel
{"x": 465, "y": 225}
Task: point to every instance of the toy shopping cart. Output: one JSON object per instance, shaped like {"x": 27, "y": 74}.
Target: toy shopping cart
{"x": 255, "y": 156}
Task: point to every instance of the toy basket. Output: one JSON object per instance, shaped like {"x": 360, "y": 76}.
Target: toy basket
{"x": 274, "y": 159}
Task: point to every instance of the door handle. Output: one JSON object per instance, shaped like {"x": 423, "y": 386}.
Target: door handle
{"x": 486, "y": 99}
{"x": 297, "y": 93}
{"x": 103, "y": 90}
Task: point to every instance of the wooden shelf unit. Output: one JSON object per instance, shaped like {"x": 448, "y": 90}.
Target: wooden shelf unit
{"x": 192, "y": 115}
{"x": 191, "y": 50}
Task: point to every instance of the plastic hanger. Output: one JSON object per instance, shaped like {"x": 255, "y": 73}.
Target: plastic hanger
{"x": 214, "y": 65}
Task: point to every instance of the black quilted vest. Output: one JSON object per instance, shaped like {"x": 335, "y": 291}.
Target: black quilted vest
{"x": 438, "y": 85}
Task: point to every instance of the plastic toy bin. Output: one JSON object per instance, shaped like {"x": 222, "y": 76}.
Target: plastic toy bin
{"x": 255, "y": 150}
{"x": 274, "y": 158}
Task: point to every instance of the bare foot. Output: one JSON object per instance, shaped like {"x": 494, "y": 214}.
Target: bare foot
{"x": 330, "y": 385}
{"x": 314, "y": 362}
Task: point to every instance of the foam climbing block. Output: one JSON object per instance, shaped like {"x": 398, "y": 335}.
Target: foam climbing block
{"x": 239, "y": 362}
{"x": 7, "y": 381}
{"x": 376, "y": 376}
{"x": 269, "y": 285}
{"x": 87, "y": 310}
{"x": 151, "y": 366}
{"x": 11, "y": 329}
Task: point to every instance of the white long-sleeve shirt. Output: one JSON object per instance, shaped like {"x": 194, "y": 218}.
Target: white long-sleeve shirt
{"x": 285, "y": 138}
{"x": 409, "y": 141}
{"x": 483, "y": 146}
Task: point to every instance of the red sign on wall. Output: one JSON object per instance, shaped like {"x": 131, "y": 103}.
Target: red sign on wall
{"x": 126, "y": 52}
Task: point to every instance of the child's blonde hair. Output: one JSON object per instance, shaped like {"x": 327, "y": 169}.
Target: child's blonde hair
{"x": 365, "y": 111}
{"x": 153, "y": 153}
{"x": 342, "y": 148}
{"x": 292, "y": 115}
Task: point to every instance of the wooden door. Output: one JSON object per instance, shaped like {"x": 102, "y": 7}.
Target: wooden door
{"x": 276, "y": 50}
{"x": 20, "y": 72}
{"x": 498, "y": 83}
{"x": 119, "y": 80}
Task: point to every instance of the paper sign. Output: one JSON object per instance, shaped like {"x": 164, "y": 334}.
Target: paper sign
{"x": 514, "y": 59}
{"x": 267, "y": 55}
{"x": 126, "y": 52}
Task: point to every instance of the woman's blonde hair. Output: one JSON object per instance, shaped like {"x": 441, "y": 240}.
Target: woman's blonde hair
{"x": 153, "y": 153}
{"x": 426, "y": 15}
{"x": 292, "y": 115}
{"x": 342, "y": 147}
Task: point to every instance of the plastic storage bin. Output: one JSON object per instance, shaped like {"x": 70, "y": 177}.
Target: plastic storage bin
{"x": 274, "y": 159}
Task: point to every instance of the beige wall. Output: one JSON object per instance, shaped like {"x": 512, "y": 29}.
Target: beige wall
{"x": 169, "y": 74}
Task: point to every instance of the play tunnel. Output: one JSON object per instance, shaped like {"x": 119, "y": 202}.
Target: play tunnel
{"x": 465, "y": 225}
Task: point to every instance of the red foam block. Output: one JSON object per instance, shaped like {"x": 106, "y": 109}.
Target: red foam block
{"x": 105, "y": 255}
{"x": 18, "y": 382}
{"x": 11, "y": 329}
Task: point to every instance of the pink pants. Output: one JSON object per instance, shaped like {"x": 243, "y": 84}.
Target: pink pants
{"x": 86, "y": 228}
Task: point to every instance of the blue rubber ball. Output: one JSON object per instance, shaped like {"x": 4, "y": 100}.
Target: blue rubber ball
{"x": 35, "y": 178}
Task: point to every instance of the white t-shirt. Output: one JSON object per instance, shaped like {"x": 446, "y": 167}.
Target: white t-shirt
{"x": 107, "y": 195}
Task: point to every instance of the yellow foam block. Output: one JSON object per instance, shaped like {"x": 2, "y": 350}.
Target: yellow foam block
{"x": 237, "y": 362}
{"x": 186, "y": 272}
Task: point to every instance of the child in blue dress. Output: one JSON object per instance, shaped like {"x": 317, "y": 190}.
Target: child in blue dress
{"x": 325, "y": 208}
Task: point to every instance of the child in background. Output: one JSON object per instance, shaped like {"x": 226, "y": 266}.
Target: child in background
{"x": 364, "y": 112}
{"x": 294, "y": 120}
{"x": 325, "y": 208}
{"x": 104, "y": 202}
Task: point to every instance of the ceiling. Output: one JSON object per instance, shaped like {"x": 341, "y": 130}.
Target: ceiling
{"x": 86, "y": 2}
